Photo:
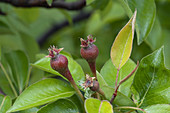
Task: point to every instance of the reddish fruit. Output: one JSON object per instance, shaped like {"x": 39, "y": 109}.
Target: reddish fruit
{"x": 59, "y": 62}
{"x": 95, "y": 86}
{"x": 89, "y": 52}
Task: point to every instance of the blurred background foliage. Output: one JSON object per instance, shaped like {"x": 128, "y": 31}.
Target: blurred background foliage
{"x": 24, "y": 29}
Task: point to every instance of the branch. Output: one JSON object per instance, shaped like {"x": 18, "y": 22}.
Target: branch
{"x": 123, "y": 80}
{"x": 42, "y": 3}
{"x": 57, "y": 27}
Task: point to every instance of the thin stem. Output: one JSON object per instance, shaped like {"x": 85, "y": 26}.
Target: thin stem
{"x": 123, "y": 80}
{"x": 127, "y": 77}
{"x": 77, "y": 90}
{"x": 128, "y": 107}
{"x": 93, "y": 68}
{"x": 9, "y": 80}
{"x": 28, "y": 77}
{"x": 117, "y": 78}
{"x": 98, "y": 96}
{"x": 102, "y": 93}
{"x": 68, "y": 75}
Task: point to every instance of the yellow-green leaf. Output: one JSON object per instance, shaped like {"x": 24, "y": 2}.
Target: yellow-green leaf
{"x": 122, "y": 46}
{"x": 93, "y": 105}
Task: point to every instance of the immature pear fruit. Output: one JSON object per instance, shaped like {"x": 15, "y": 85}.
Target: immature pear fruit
{"x": 89, "y": 52}
{"x": 59, "y": 62}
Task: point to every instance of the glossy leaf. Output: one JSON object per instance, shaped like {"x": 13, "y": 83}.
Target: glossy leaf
{"x": 75, "y": 68}
{"x": 158, "y": 108}
{"x": 105, "y": 106}
{"x": 93, "y": 105}
{"x": 145, "y": 18}
{"x": 120, "y": 100}
{"x": 101, "y": 80}
{"x": 5, "y": 103}
{"x": 31, "y": 110}
{"x": 42, "y": 92}
{"x": 122, "y": 46}
{"x": 108, "y": 72}
{"x": 19, "y": 66}
{"x": 61, "y": 105}
{"x": 151, "y": 82}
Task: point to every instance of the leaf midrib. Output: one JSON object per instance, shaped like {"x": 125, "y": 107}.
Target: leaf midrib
{"x": 43, "y": 100}
{"x": 2, "y": 102}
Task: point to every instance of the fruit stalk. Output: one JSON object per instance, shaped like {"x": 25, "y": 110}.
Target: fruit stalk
{"x": 89, "y": 52}
{"x": 59, "y": 63}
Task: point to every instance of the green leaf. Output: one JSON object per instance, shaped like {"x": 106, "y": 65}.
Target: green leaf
{"x": 88, "y": 2}
{"x": 93, "y": 105}
{"x": 49, "y": 2}
{"x": 19, "y": 66}
{"x": 105, "y": 107}
{"x": 158, "y": 108}
{"x": 145, "y": 17}
{"x": 78, "y": 102}
{"x": 75, "y": 68}
{"x": 151, "y": 82}
{"x": 120, "y": 100}
{"x": 101, "y": 80}
{"x": 61, "y": 105}
{"x": 31, "y": 110}
{"x": 108, "y": 72}
{"x": 5, "y": 103}
{"x": 42, "y": 92}
{"x": 122, "y": 46}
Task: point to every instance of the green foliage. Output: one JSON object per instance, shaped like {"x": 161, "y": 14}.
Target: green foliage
{"x": 145, "y": 18}
{"x": 61, "y": 105}
{"x": 26, "y": 76}
{"x": 5, "y": 103}
{"x": 109, "y": 71}
{"x": 151, "y": 82}
{"x": 122, "y": 46}
{"x": 42, "y": 92}
{"x": 75, "y": 68}
{"x": 158, "y": 108}
{"x": 96, "y": 106}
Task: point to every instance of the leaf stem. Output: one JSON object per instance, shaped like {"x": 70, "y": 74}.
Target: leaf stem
{"x": 77, "y": 90}
{"x": 28, "y": 77}
{"x": 117, "y": 75}
{"x": 101, "y": 92}
{"x": 9, "y": 80}
{"x": 128, "y": 107}
{"x": 123, "y": 80}
{"x": 93, "y": 68}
